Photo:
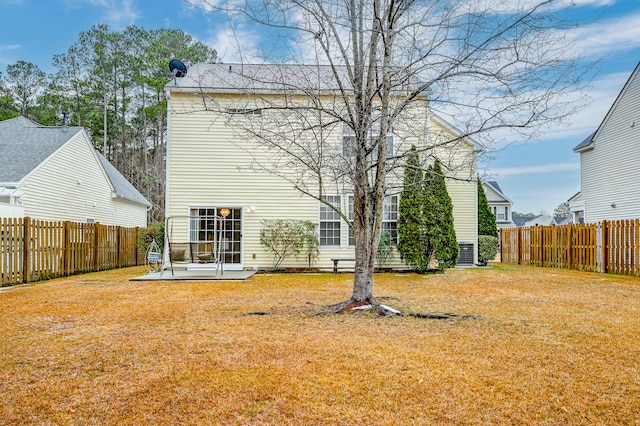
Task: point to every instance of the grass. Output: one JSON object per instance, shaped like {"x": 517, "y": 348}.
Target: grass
{"x": 545, "y": 347}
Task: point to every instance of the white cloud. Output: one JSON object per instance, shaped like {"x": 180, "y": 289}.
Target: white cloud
{"x": 118, "y": 14}
{"x": 527, "y": 170}
{"x": 605, "y": 37}
{"x": 236, "y": 45}
{"x": 206, "y": 5}
{"x": 5, "y": 58}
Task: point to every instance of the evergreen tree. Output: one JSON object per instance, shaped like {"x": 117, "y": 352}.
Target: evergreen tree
{"x": 440, "y": 235}
{"x": 411, "y": 224}
{"x": 486, "y": 219}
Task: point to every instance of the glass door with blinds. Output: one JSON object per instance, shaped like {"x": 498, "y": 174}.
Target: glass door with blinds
{"x": 210, "y": 223}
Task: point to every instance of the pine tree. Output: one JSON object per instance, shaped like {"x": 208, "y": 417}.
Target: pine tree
{"x": 411, "y": 225}
{"x": 440, "y": 235}
{"x": 486, "y": 219}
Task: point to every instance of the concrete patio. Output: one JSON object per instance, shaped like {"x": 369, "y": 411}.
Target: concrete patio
{"x": 182, "y": 274}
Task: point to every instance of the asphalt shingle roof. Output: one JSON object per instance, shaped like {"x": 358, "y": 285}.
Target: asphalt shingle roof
{"x": 25, "y": 144}
{"x": 122, "y": 187}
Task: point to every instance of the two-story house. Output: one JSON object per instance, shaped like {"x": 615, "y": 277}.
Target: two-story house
{"x": 609, "y": 158}
{"x": 500, "y": 204}
{"x": 221, "y": 172}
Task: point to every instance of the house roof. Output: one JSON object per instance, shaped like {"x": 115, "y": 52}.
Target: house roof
{"x": 496, "y": 188}
{"x": 25, "y": 144}
{"x": 122, "y": 188}
{"x": 263, "y": 78}
{"x": 586, "y": 144}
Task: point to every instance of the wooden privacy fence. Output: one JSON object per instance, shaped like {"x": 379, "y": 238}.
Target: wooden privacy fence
{"x": 608, "y": 246}
{"x": 32, "y": 250}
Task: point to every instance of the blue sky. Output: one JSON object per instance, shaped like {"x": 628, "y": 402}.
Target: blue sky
{"x": 536, "y": 176}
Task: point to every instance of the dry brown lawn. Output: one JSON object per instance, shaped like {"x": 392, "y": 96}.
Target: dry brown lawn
{"x": 546, "y": 347}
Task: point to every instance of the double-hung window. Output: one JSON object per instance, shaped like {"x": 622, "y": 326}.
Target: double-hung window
{"x": 349, "y": 143}
{"x": 389, "y": 218}
{"x": 330, "y": 222}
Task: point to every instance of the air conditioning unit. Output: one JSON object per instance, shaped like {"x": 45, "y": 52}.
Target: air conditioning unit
{"x": 466, "y": 254}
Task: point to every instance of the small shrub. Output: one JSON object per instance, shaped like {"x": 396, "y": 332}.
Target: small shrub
{"x": 286, "y": 237}
{"x": 487, "y": 248}
{"x": 386, "y": 250}
{"x": 155, "y": 231}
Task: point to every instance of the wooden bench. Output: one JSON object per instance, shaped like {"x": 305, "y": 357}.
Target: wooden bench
{"x": 335, "y": 263}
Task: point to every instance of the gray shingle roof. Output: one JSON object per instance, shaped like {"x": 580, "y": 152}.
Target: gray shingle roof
{"x": 25, "y": 144}
{"x": 270, "y": 78}
{"x": 585, "y": 143}
{"x": 121, "y": 186}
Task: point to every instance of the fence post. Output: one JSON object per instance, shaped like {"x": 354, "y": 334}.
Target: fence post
{"x": 570, "y": 246}
{"x": 519, "y": 243}
{"x": 66, "y": 248}
{"x": 96, "y": 243}
{"x": 605, "y": 241}
{"x": 138, "y": 234}
{"x": 118, "y": 241}
{"x": 26, "y": 252}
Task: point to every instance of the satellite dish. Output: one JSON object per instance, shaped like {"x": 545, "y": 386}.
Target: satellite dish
{"x": 177, "y": 68}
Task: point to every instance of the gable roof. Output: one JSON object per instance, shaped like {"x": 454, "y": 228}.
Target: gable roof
{"x": 496, "y": 188}
{"x": 586, "y": 144}
{"x": 122, "y": 188}
{"x": 25, "y": 144}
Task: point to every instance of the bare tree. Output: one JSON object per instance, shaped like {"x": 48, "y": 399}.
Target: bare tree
{"x": 488, "y": 66}
{"x": 562, "y": 210}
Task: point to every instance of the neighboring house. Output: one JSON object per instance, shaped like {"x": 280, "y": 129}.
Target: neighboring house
{"x": 609, "y": 161}
{"x": 54, "y": 173}
{"x": 213, "y": 169}
{"x": 540, "y": 220}
{"x": 499, "y": 204}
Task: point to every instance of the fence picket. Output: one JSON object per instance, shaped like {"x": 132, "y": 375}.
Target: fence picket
{"x": 576, "y": 246}
{"x": 34, "y": 250}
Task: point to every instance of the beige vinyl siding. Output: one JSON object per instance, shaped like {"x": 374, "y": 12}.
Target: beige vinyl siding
{"x": 462, "y": 187}
{"x": 71, "y": 185}
{"x": 208, "y": 167}
{"x": 610, "y": 172}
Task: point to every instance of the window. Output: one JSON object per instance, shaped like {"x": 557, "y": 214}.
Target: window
{"x": 330, "y": 222}
{"x": 500, "y": 213}
{"x": 389, "y": 218}
{"x": 208, "y": 224}
{"x": 349, "y": 143}
{"x": 352, "y": 239}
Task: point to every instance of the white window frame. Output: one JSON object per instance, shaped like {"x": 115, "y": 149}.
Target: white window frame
{"x": 349, "y": 141}
{"x": 327, "y": 215}
{"x": 389, "y": 217}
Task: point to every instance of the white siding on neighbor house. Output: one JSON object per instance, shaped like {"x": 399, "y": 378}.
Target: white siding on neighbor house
{"x": 71, "y": 185}
{"x": 610, "y": 172}
{"x": 207, "y": 168}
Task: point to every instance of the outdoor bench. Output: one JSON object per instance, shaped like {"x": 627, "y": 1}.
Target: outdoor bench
{"x": 335, "y": 263}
